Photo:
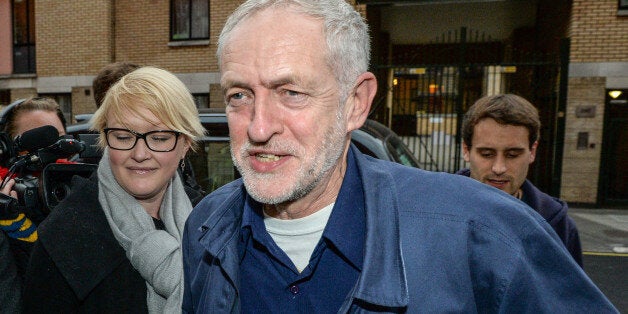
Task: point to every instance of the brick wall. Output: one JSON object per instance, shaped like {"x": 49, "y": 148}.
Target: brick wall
{"x": 598, "y": 37}
{"x": 6, "y": 52}
{"x": 79, "y": 37}
{"x": 22, "y": 93}
{"x": 220, "y": 11}
{"x": 143, "y": 33}
{"x": 581, "y": 167}
{"x": 216, "y": 99}
{"x": 597, "y": 33}
{"x": 73, "y": 37}
{"x": 82, "y": 101}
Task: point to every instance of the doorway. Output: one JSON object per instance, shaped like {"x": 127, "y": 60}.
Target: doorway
{"x": 613, "y": 188}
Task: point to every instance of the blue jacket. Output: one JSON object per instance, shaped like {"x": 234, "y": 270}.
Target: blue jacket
{"x": 435, "y": 242}
{"x": 554, "y": 211}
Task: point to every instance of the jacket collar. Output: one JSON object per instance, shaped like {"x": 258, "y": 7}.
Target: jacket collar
{"x": 221, "y": 233}
{"x": 550, "y": 208}
{"x": 383, "y": 279}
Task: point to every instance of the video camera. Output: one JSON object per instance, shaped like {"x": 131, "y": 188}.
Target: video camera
{"x": 41, "y": 182}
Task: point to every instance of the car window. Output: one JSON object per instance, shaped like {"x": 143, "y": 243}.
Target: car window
{"x": 401, "y": 153}
{"x": 212, "y": 164}
{"x": 370, "y": 145}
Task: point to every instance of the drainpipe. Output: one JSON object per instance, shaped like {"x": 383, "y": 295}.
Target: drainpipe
{"x": 389, "y": 96}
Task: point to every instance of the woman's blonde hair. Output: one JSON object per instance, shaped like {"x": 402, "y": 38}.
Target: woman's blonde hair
{"x": 157, "y": 90}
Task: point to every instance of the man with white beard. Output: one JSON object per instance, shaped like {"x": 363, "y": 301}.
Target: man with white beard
{"x": 315, "y": 226}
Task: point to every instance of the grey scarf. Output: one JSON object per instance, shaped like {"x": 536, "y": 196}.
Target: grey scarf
{"x": 156, "y": 254}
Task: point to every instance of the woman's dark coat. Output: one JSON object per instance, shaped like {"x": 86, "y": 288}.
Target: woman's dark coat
{"x": 78, "y": 266}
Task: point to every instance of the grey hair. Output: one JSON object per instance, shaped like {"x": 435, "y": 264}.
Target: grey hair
{"x": 346, "y": 33}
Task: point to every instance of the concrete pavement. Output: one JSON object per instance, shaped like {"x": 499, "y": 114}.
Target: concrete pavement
{"x": 602, "y": 230}
{"x": 604, "y": 238}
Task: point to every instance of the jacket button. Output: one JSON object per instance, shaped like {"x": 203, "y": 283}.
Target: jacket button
{"x": 294, "y": 289}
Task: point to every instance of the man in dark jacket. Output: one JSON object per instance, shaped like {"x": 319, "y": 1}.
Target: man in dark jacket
{"x": 315, "y": 226}
{"x": 501, "y": 134}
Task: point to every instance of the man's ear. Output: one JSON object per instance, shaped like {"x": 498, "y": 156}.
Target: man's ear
{"x": 533, "y": 151}
{"x": 359, "y": 101}
{"x": 465, "y": 151}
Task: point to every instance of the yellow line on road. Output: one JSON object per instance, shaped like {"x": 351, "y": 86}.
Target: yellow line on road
{"x": 605, "y": 254}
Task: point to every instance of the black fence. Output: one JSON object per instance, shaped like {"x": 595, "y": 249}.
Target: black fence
{"x": 426, "y": 89}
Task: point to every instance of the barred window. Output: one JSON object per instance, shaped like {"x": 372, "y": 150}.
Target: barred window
{"x": 189, "y": 19}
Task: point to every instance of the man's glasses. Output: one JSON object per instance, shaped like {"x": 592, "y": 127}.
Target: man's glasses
{"x": 157, "y": 141}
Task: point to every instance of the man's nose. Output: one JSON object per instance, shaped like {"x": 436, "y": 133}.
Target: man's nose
{"x": 499, "y": 166}
{"x": 266, "y": 118}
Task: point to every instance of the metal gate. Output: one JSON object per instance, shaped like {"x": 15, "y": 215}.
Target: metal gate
{"x": 430, "y": 86}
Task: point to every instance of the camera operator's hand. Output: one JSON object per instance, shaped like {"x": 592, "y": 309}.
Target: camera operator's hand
{"x": 8, "y": 202}
{"x": 13, "y": 220}
{"x": 7, "y": 189}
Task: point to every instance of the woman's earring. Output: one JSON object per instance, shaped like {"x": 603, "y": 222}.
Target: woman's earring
{"x": 182, "y": 163}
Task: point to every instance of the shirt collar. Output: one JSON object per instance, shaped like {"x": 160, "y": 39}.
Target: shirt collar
{"x": 346, "y": 227}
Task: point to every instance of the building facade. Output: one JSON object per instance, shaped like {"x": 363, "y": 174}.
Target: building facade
{"x": 594, "y": 169}
{"x": 55, "y": 48}
{"x": 72, "y": 40}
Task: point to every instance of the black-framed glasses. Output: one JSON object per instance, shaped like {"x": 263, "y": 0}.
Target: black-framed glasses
{"x": 157, "y": 141}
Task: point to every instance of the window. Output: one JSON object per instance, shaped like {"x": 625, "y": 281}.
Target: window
{"x": 5, "y": 97}
{"x": 189, "y": 20}
{"x": 23, "y": 14}
{"x": 65, "y": 103}
{"x": 623, "y": 8}
{"x": 201, "y": 100}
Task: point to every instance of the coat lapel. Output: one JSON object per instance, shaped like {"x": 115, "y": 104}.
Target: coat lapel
{"x": 383, "y": 279}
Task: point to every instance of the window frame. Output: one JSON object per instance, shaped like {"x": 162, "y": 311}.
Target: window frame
{"x": 190, "y": 22}
{"x": 24, "y": 53}
{"x": 622, "y": 7}
{"x": 201, "y": 100}
{"x": 65, "y": 104}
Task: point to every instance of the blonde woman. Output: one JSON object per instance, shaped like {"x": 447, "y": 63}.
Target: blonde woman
{"x": 113, "y": 245}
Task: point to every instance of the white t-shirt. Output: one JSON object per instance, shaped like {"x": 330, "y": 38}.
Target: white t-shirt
{"x": 298, "y": 237}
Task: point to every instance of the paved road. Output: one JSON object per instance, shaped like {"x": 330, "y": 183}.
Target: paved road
{"x": 604, "y": 237}
{"x": 602, "y": 230}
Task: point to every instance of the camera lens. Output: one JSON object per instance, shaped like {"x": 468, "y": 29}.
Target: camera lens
{"x": 60, "y": 192}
